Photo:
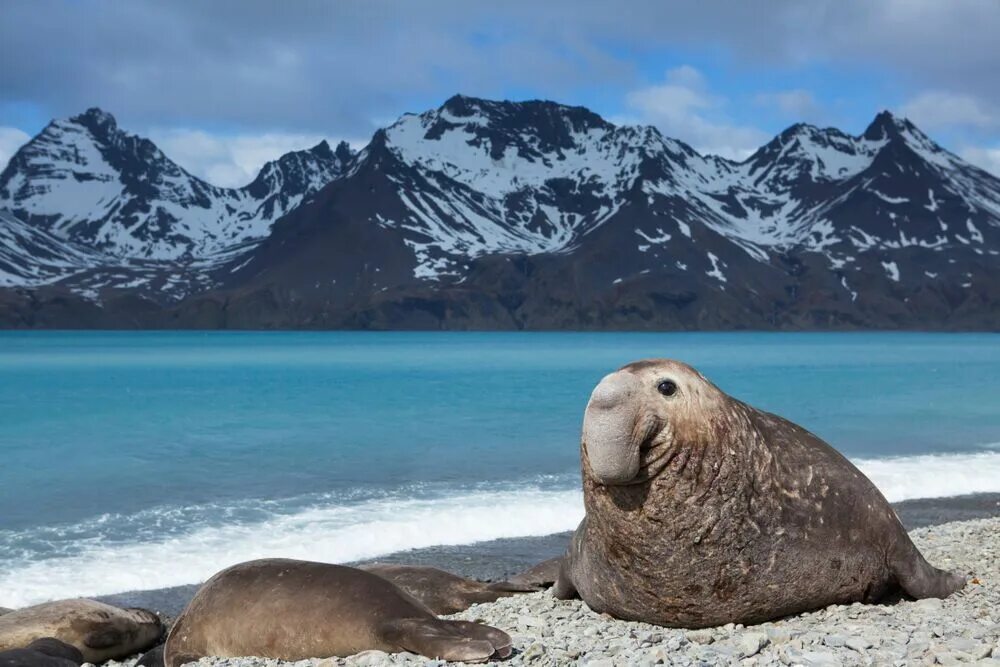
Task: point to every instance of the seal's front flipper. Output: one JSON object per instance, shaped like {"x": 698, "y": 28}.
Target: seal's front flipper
{"x": 919, "y": 579}
{"x": 564, "y": 589}
{"x": 501, "y": 641}
{"x": 443, "y": 640}
{"x": 104, "y": 636}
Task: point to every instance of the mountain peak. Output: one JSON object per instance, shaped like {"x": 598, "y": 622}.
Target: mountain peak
{"x": 887, "y": 125}
{"x": 343, "y": 152}
{"x": 527, "y": 112}
{"x": 96, "y": 119}
{"x": 322, "y": 150}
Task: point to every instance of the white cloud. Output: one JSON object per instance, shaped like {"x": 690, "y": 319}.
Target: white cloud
{"x": 683, "y": 107}
{"x": 987, "y": 158}
{"x": 938, "y": 108}
{"x": 798, "y": 103}
{"x": 228, "y": 161}
{"x": 11, "y": 139}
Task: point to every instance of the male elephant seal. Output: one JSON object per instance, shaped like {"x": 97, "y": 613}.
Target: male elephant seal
{"x": 702, "y": 510}
{"x": 443, "y": 592}
{"x": 293, "y": 610}
{"x": 44, "y": 652}
{"x": 99, "y": 631}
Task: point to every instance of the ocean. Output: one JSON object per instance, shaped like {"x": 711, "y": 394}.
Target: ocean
{"x": 141, "y": 460}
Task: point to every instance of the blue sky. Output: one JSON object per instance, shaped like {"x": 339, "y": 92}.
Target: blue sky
{"x": 224, "y": 86}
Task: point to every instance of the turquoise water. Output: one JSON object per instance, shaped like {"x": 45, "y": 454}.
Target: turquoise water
{"x": 169, "y": 448}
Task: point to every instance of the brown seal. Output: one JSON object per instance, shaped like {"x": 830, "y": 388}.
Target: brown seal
{"x": 44, "y": 652}
{"x": 702, "y": 510}
{"x": 99, "y": 631}
{"x": 293, "y": 610}
{"x": 542, "y": 575}
{"x": 444, "y": 592}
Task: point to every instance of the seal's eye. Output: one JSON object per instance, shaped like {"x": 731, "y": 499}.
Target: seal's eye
{"x": 667, "y": 387}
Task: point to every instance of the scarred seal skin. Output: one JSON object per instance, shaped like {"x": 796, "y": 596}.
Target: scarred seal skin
{"x": 443, "y": 592}
{"x": 702, "y": 510}
{"x": 99, "y": 631}
{"x": 294, "y": 610}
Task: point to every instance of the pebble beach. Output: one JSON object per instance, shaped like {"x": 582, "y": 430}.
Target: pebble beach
{"x": 964, "y": 629}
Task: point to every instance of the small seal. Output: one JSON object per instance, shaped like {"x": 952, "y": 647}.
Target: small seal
{"x": 294, "y": 610}
{"x": 44, "y": 652}
{"x": 443, "y": 592}
{"x": 702, "y": 510}
{"x": 540, "y": 576}
{"x": 99, "y": 631}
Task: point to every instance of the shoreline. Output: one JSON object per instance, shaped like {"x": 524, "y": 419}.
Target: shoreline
{"x": 501, "y": 558}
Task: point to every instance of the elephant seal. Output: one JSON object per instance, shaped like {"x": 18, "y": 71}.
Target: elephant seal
{"x": 293, "y": 610}
{"x": 44, "y": 652}
{"x": 540, "y": 576}
{"x": 702, "y": 510}
{"x": 443, "y": 592}
{"x": 99, "y": 631}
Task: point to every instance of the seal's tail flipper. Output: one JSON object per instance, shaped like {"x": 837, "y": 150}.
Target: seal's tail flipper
{"x": 454, "y": 641}
{"x": 918, "y": 578}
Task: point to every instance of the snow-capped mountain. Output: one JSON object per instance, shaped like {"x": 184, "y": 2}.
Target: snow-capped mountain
{"x": 87, "y": 181}
{"x": 488, "y": 214}
{"x": 30, "y": 256}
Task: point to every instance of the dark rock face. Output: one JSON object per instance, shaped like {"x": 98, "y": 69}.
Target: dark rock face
{"x": 500, "y": 215}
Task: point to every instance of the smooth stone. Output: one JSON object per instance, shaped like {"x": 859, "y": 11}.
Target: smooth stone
{"x": 977, "y": 650}
{"x": 700, "y": 636}
{"x": 778, "y": 635}
{"x": 371, "y": 658}
{"x": 928, "y": 605}
{"x": 752, "y": 642}
{"x": 534, "y": 652}
{"x": 859, "y": 644}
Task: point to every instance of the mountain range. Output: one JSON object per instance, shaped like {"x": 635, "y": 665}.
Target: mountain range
{"x": 504, "y": 215}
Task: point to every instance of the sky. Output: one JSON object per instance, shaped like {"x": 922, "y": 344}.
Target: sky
{"x": 224, "y": 86}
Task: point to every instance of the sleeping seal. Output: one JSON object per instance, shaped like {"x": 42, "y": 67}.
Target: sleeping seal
{"x": 702, "y": 510}
{"x": 99, "y": 631}
{"x": 44, "y": 652}
{"x": 443, "y": 592}
{"x": 543, "y": 575}
{"x": 293, "y": 610}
